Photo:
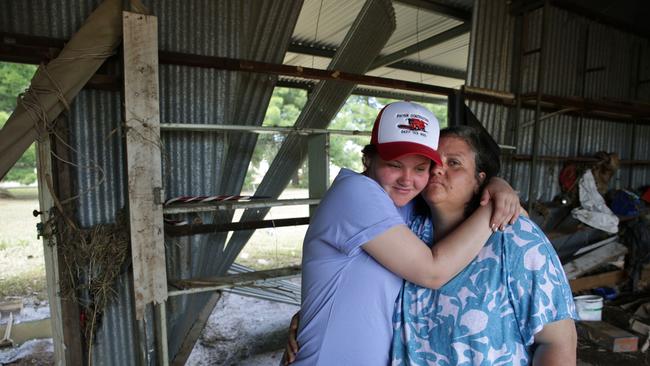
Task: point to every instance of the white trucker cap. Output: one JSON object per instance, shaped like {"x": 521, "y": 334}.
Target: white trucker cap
{"x": 406, "y": 128}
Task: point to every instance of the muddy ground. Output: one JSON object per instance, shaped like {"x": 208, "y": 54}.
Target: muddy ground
{"x": 240, "y": 331}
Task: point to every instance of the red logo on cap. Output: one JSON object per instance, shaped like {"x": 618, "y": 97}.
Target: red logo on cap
{"x": 415, "y": 124}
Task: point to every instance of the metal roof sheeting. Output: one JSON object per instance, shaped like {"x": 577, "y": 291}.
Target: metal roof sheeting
{"x": 57, "y": 19}
{"x": 325, "y": 23}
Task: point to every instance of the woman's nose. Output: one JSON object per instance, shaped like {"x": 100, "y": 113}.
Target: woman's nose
{"x": 406, "y": 176}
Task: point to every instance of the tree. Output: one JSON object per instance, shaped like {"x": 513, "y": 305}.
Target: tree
{"x": 358, "y": 113}
{"x": 14, "y": 79}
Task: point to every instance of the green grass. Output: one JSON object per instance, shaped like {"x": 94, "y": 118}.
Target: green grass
{"x": 22, "y": 269}
{"x": 29, "y": 283}
{"x": 24, "y": 193}
{"x": 276, "y": 247}
{"x": 273, "y": 248}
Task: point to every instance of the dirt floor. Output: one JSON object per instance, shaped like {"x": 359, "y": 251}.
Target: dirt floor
{"x": 241, "y": 331}
{"x": 234, "y": 337}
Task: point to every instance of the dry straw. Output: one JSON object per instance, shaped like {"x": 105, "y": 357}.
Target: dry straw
{"x": 93, "y": 259}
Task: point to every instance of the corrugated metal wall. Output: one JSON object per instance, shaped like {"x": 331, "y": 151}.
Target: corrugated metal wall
{"x": 193, "y": 163}
{"x": 580, "y": 58}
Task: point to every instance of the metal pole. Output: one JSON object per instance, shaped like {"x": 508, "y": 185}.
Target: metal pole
{"x": 630, "y": 177}
{"x": 518, "y": 60}
{"x": 532, "y": 191}
{"x": 161, "y": 331}
{"x": 580, "y": 123}
{"x": 233, "y": 205}
{"x": 184, "y": 230}
{"x": 257, "y": 129}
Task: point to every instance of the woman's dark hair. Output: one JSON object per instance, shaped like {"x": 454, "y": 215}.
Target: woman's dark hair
{"x": 487, "y": 157}
{"x": 369, "y": 152}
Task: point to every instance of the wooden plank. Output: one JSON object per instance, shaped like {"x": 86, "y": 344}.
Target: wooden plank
{"x": 12, "y": 306}
{"x": 608, "y": 336}
{"x": 64, "y": 313}
{"x": 593, "y": 259}
{"x": 318, "y": 151}
{"x": 640, "y": 327}
{"x": 257, "y": 278}
{"x": 143, "y": 144}
{"x": 609, "y": 279}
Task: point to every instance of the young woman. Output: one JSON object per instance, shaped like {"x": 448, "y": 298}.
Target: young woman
{"x": 358, "y": 249}
{"x": 512, "y": 305}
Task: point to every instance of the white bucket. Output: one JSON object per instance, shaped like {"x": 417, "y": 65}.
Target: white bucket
{"x": 589, "y": 307}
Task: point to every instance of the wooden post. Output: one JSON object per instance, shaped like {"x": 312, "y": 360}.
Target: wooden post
{"x": 318, "y": 157}
{"x": 143, "y": 151}
{"x": 51, "y": 256}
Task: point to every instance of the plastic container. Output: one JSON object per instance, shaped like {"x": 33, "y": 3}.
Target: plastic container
{"x": 589, "y": 307}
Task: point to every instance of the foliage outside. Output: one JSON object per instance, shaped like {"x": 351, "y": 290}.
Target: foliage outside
{"x": 358, "y": 113}
{"x": 22, "y": 266}
{"x": 14, "y": 79}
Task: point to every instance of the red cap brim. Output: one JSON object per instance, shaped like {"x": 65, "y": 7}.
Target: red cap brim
{"x": 395, "y": 150}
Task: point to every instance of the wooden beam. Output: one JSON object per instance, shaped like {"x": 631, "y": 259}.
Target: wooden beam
{"x": 50, "y": 252}
{"x": 318, "y": 152}
{"x": 223, "y": 63}
{"x": 608, "y": 279}
{"x": 576, "y": 159}
{"x": 257, "y": 278}
{"x": 593, "y": 259}
{"x": 608, "y": 336}
{"x": 55, "y": 181}
{"x": 143, "y": 145}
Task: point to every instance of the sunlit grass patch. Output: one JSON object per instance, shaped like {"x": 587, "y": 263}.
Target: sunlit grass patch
{"x": 28, "y": 283}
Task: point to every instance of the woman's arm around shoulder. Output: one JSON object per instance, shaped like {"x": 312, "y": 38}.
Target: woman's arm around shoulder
{"x": 399, "y": 250}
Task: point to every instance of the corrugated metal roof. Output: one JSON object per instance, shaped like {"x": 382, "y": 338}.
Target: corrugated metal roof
{"x": 414, "y": 25}
{"x": 324, "y": 22}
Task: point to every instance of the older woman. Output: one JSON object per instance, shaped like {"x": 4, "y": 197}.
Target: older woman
{"x": 358, "y": 249}
{"x": 511, "y": 305}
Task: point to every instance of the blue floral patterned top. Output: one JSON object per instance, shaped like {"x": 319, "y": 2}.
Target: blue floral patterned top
{"x": 489, "y": 313}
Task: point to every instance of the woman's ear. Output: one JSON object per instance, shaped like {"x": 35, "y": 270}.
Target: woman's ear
{"x": 481, "y": 178}
{"x": 365, "y": 160}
